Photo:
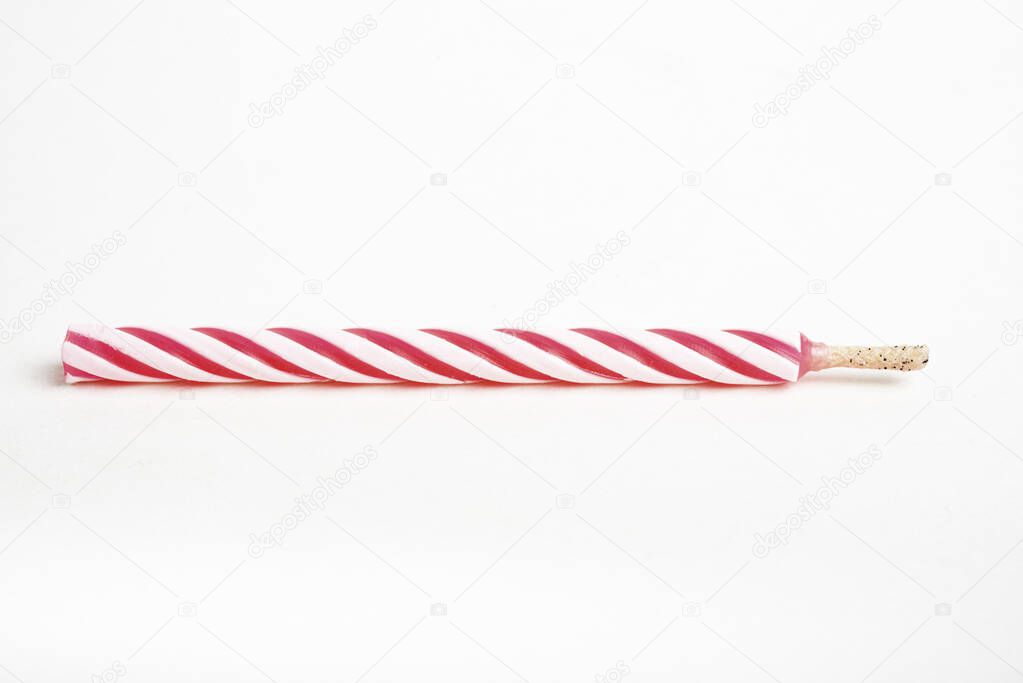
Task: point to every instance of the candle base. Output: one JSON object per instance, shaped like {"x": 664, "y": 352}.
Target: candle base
{"x": 902, "y": 358}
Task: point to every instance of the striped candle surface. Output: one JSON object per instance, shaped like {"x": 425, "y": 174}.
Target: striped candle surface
{"x": 433, "y": 356}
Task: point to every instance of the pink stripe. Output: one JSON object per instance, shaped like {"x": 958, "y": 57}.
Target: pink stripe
{"x": 770, "y": 343}
{"x": 556, "y": 348}
{"x": 257, "y": 351}
{"x": 179, "y": 350}
{"x": 639, "y": 353}
{"x": 717, "y": 354}
{"x": 333, "y": 352}
{"x": 115, "y": 357}
{"x": 489, "y": 353}
{"x": 413, "y": 354}
{"x": 81, "y": 374}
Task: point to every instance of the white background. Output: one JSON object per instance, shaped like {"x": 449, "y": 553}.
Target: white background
{"x": 126, "y": 512}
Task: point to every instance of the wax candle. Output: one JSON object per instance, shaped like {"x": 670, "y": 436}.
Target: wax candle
{"x": 583, "y": 355}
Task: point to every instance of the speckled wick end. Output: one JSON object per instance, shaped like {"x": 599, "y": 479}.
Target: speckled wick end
{"x": 903, "y": 358}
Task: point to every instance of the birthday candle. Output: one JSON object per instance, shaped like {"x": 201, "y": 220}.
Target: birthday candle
{"x": 582, "y": 355}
